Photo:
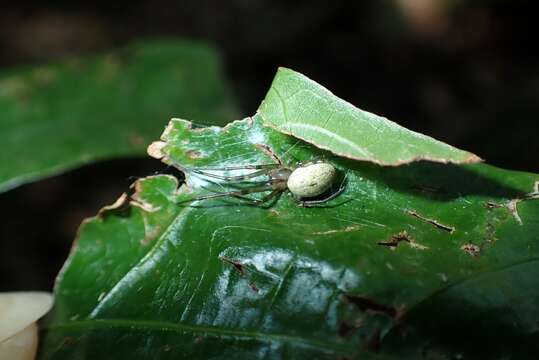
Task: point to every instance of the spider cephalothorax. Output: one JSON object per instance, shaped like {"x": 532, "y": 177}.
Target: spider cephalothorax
{"x": 305, "y": 182}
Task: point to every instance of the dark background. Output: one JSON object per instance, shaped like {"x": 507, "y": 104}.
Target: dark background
{"x": 465, "y": 72}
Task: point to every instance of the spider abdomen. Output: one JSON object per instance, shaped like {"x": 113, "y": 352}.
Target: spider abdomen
{"x": 311, "y": 180}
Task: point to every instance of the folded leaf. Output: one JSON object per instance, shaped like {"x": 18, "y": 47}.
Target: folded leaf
{"x": 300, "y": 107}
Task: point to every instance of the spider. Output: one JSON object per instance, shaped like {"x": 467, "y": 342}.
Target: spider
{"x": 305, "y": 182}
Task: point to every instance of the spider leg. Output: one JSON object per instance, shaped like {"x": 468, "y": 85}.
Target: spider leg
{"x": 235, "y": 193}
{"x": 269, "y": 151}
{"x": 270, "y": 196}
{"x": 262, "y": 169}
{"x": 258, "y": 202}
{"x": 239, "y": 167}
{"x": 269, "y": 185}
{"x": 308, "y": 203}
{"x": 236, "y": 178}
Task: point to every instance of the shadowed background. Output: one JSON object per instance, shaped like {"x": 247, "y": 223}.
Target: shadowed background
{"x": 464, "y": 72}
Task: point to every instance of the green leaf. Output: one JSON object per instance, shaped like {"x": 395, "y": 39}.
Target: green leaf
{"x": 159, "y": 276}
{"x": 59, "y": 116}
{"x": 298, "y": 106}
{"x": 506, "y": 296}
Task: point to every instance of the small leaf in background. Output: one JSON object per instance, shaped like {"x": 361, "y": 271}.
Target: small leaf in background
{"x": 58, "y": 116}
{"x": 298, "y": 106}
{"x": 156, "y": 276}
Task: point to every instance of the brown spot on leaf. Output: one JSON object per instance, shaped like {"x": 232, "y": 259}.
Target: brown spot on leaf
{"x": 193, "y": 154}
{"x": 199, "y": 339}
{"x": 237, "y": 265}
{"x": 402, "y": 237}
{"x": 396, "y": 239}
{"x": 436, "y": 223}
{"x": 241, "y": 269}
{"x": 471, "y": 249}
{"x": 253, "y": 287}
{"x": 366, "y": 304}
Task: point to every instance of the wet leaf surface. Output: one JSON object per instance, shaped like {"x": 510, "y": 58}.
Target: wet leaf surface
{"x": 58, "y": 116}
{"x": 365, "y": 275}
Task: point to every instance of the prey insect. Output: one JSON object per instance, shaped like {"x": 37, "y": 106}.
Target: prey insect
{"x": 308, "y": 184}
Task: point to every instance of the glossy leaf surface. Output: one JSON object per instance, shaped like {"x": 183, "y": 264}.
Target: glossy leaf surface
{"x": 407, "y": 262}
{"x": 298, "y": 106}
{"x": 58, "y": 116}
{"x": 163, "y": 278}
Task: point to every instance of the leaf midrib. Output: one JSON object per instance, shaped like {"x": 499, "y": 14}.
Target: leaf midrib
{"x": 207, "y": 330}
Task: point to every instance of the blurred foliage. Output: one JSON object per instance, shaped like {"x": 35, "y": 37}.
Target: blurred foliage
{"x": 58, "y": 116}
